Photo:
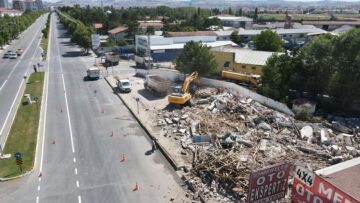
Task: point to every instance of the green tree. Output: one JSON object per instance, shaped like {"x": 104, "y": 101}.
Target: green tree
{"x": 150, "y": 30}
{"x": 255, "y": 14}
{"x": 1, "y": 41}
{"x": 196, "y": 57}
{"x": 240, "y": 12}
{"x": 268, "y": 41}
{"x": 235, "y": 37}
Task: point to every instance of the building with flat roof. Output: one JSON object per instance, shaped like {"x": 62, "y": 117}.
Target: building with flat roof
{"x": 331, "y": 25}
{"x": 156, "y": 24}
{"x": 294, "y": 35}
{"x": 166, "y": 48}
{"x": 235, "y": 21}
{"x": 241, "y": 60}
{"x": 10, "y": 12}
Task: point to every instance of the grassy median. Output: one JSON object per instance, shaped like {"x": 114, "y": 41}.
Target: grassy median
{"x": 23, "y": 133}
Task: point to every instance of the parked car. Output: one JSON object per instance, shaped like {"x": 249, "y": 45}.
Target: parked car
{"x": 12, "y": 56}
{"x": 7, "y": 54}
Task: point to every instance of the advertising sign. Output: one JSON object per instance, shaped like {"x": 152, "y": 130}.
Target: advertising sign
{"x": 95, "y": 41}
{"x": 268, "y": 184}
{"x": 311, "y": 188}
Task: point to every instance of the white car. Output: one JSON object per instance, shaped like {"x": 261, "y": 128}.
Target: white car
{"x": 7, "y": 54}
{"x": 13, "y": 56}
{"x": 124, "y": 85}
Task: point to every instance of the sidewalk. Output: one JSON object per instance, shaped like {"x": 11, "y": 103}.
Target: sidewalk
{"x": 170, "y": 149}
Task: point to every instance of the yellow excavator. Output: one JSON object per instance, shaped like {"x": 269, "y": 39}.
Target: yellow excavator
{"x": 182, "y": 96}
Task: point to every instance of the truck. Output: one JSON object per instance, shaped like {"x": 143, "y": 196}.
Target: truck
{"x": 158, "y": 85}
{"x": 124, "y": 85}
{"x": 93, "y": 73}
{"x": 253, "y": 80}
{"x": 112, "y": 58}
{"x": 19, "y": 52}
{"x": 143, "y": 62}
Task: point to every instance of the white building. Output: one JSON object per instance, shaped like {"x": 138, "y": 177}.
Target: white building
{"x": 290, "y": 35}
{"x": 166, "y": 48}
{"x": 10, "y": 12}
{"x": 235, "y": 21}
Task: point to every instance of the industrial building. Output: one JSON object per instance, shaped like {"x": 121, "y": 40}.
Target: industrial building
{"x": 10, "y": 12}
{"x": 235, "y": 21}
{"x": 241, "y": 60}
{"x": 166, "y": 48}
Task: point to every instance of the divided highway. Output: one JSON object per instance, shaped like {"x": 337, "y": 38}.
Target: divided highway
{"x": 85, "y": 133}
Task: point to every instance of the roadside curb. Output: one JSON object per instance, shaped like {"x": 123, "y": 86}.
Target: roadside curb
{"x": 18, "y": 176}
{"x": 167, "y": 155}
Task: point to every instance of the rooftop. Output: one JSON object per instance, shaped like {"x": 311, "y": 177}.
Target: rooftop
{"x": 98, "y": 25}
{"x": 331, "y": 22}
{"x": 118, "y": 30}
{"x": 232, "y": 18}
{"x": 278, "y": 31}
{"x": 247, "y": 56}
{"x": 189, "y": 34}
{"x": 181, "y": 45}
{"x": 153, "y": 23}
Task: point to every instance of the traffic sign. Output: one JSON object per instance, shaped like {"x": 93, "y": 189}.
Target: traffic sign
{"x": 19, "y": 161}
{"x": 36, "y": 98}
{"x": 17, "y": 155}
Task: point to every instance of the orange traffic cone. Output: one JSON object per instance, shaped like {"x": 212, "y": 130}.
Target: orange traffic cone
{"x": 137, "y": 187}
{"x": 123, "y": 158}
{"x": 40, "y": 175}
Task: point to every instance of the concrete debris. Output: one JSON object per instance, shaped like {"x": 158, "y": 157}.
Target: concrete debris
{"x": 227, "y": 136}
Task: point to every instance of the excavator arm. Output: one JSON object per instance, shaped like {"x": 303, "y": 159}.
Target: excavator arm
{"x": 183, "y": 98}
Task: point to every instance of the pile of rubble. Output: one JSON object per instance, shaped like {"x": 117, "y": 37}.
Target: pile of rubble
{"x": 226, "y": 136}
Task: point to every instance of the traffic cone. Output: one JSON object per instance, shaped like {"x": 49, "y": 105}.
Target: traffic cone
{"x": 137, "y": 187}
{"x": 53, "y": 142}
{"x": 40, "y": 175}
{"x": 61, "y": 110}
{"x": 123, "y": 158}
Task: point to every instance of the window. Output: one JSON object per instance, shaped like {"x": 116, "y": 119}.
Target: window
{"x": 284, "y": 35}
{"x": 243, "y": 66}
{"x": 290, "y": 35}
{"x": 227, "y": 64}
{"x": 254, "y": 68}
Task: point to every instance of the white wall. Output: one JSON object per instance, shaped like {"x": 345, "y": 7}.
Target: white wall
{"x": 234, "y": 88}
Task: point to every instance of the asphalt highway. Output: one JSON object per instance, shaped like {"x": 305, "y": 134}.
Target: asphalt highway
{"x": 91, "y": 149}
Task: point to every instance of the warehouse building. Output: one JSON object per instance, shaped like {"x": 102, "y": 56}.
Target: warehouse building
{"x": 241, "y": 60}
{"x": 235, "y": 21}
{"x": 165, "y": 48}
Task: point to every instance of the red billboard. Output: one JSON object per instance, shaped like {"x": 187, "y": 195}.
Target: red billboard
{"x": 311, "y": 188}
{"x": 268, "y": 184}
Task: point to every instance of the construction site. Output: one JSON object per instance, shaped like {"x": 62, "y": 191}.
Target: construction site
{"x": 219, "y": 137}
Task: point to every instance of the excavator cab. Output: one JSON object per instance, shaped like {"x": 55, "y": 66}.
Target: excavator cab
{"x": 181, "y": 95}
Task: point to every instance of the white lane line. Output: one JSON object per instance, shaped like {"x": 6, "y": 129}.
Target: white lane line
{"x": 76, "y": 172}
{"x": 39, "y": 179}
{"x": 38, "y": 187}
{"x": 77, "y": 184}
{"x": 37, "y": 199}
{"x": 74, "y": 160}
{"x": 3, "y": 84}
{"x": 79, "y": 199}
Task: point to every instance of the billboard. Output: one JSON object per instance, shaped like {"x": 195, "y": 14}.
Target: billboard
{"x": 95, "y": 41}
{"x": 268, "y": 184}
{"x": 309, "y": 187}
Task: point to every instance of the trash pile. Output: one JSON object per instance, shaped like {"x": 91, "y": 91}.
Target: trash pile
{"x": 227, "y": 136}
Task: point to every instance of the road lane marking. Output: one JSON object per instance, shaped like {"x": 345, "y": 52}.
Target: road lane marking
{"x": 76, "y": 172}
{"x": 38, "y": 187}
{"x": 37, "y": 199}
{"x": 77, "y": 184}
{"x": 3, "y": 84}
{"x": 74, "y": 160}
{"x": 79, "y": 199}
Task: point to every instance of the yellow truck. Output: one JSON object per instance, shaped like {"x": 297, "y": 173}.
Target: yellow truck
{"x": 253, "y": 80}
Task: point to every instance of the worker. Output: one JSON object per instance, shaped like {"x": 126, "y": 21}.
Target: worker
{"x": 153, "y": 146}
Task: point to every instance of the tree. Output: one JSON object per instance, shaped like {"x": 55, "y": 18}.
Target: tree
{"x": 150, "y": 30}
{"x": 196, "y": 57}
{"x": 268, "y": 41}
{"x": 240, "y": 12}
{"x": 235, "y": 37}
{"x": 230, "y": 11}
{"x": 1, "y": 41}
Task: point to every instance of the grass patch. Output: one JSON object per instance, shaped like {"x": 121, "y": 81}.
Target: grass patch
{"x": 44, "y": 45}
{"x": 23, "y": 133}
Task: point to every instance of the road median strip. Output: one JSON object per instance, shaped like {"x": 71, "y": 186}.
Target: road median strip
{"x": 23, "y": 134}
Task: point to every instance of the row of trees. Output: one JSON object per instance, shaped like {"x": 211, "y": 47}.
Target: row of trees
{"x": 11, "y": 27}
{"x": 80, "y": 33}
{"x": 328, "y": 65}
